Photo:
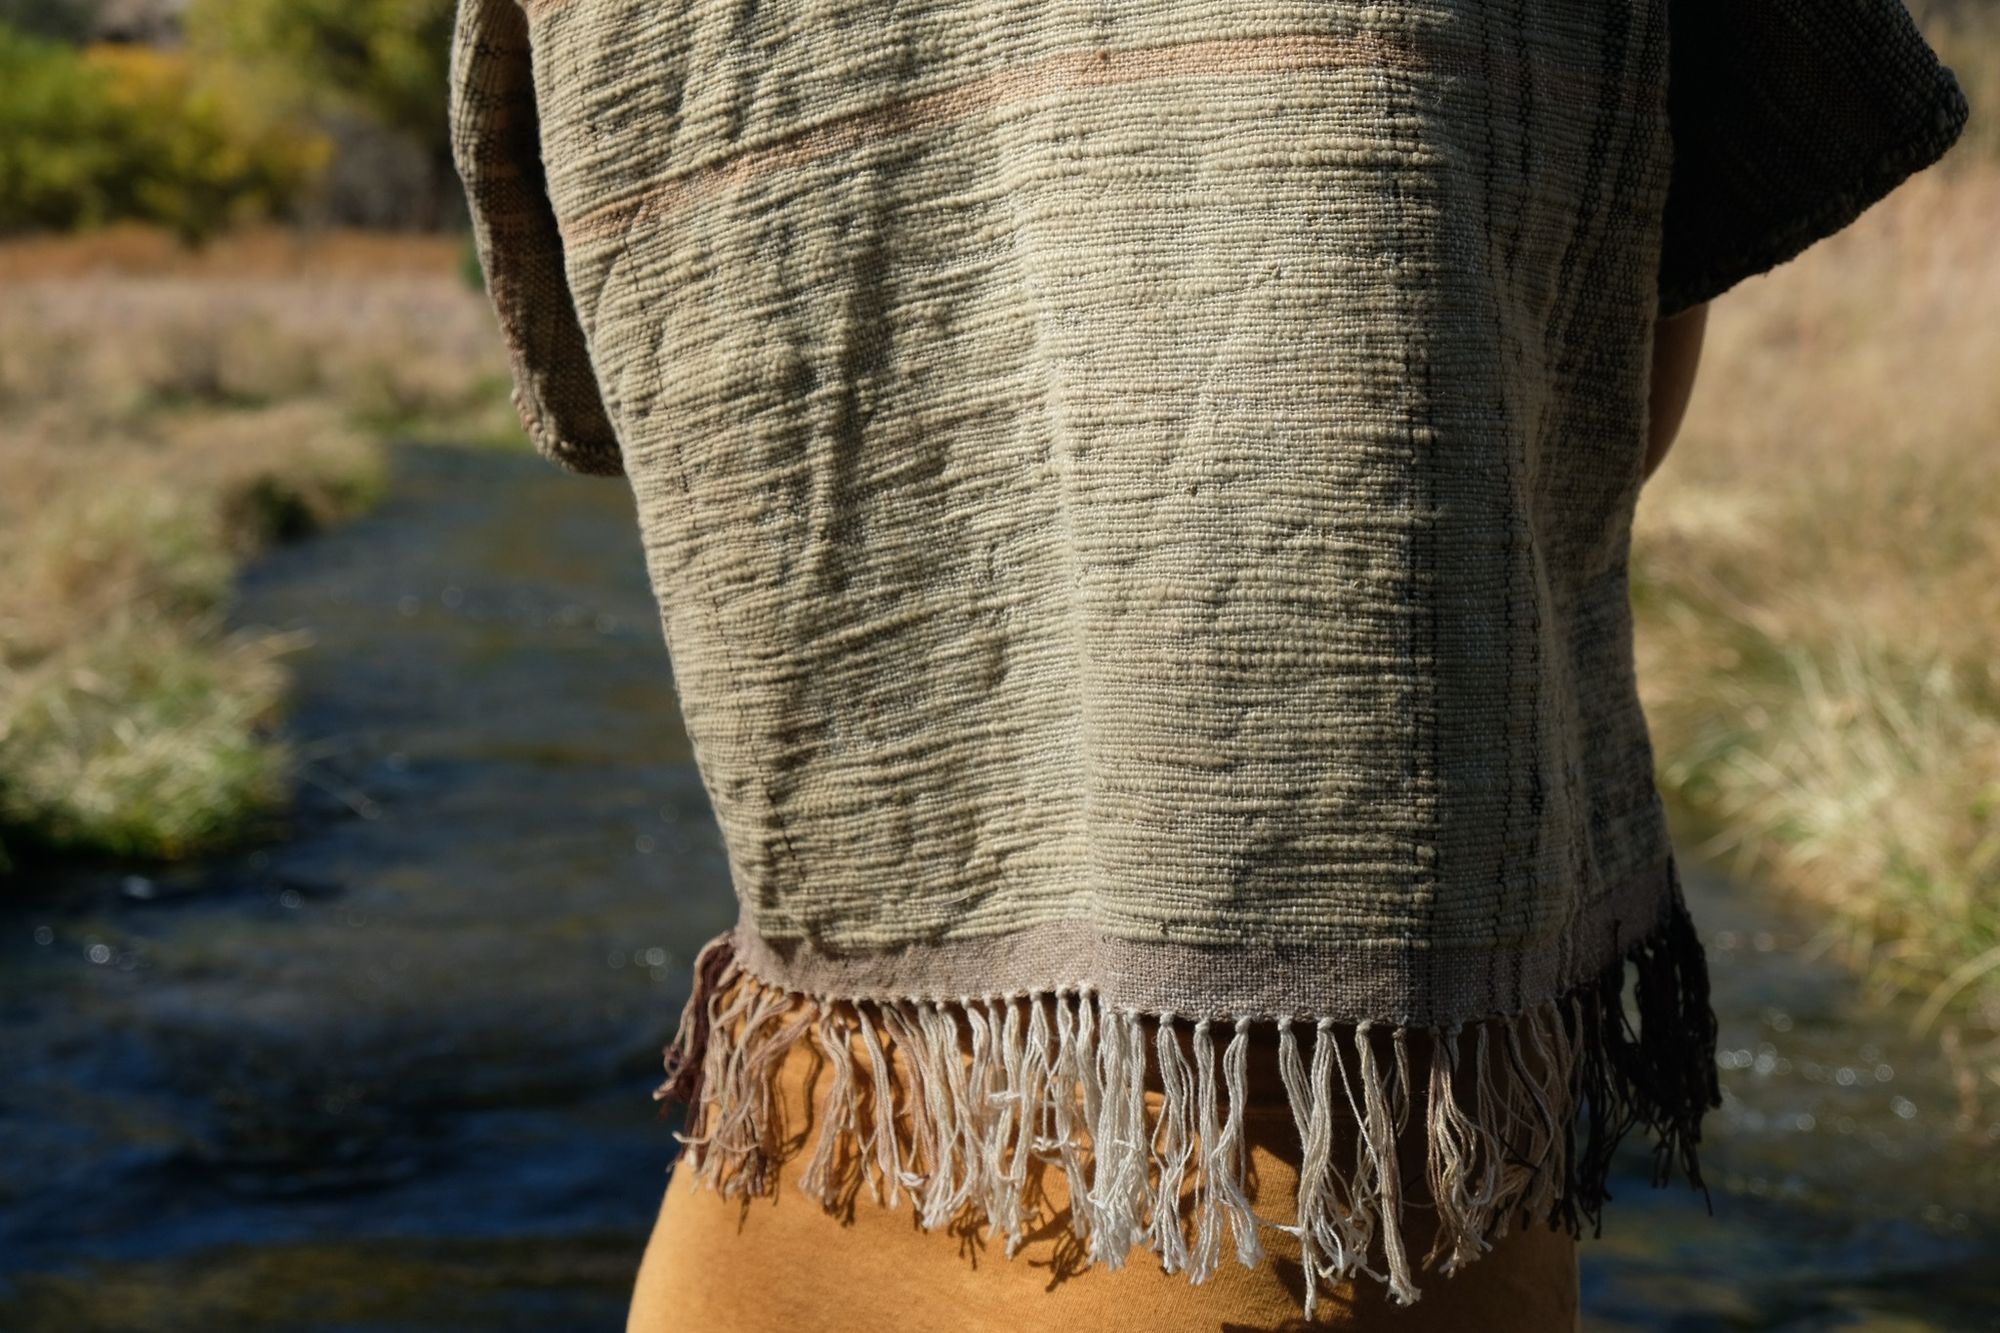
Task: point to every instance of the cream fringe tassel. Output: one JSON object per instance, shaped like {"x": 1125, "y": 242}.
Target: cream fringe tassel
{"x": 1063, "y": 1078}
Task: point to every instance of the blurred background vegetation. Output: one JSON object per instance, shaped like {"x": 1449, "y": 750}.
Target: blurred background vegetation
{"x": 1816, "y": 576}
{"x": 200, "y": 115}
{"x": 233, "y": 264}
{"x": 232, "y": 252}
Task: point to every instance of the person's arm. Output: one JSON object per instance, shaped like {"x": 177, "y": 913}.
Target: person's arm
{"x": 1676, "y": 353}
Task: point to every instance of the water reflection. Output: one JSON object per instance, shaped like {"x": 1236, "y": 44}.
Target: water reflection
{"x": 1854, "y": 1187}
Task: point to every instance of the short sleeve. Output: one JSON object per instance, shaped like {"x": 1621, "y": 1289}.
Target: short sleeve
{"x": 1789, "y": 118}
{"x": 495, "y": 142}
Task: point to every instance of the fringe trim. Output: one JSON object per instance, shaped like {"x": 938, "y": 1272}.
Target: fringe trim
{"x": 1062, "y": 1078}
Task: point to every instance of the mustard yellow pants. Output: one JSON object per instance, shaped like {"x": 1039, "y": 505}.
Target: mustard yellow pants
{"x": 781, "y": 1262}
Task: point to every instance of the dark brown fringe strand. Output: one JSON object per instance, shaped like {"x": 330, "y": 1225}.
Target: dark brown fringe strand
{"x": 1068, "y": 1087}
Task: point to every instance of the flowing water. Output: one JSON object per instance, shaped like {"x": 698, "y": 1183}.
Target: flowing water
{"x": 392, "y": 1071}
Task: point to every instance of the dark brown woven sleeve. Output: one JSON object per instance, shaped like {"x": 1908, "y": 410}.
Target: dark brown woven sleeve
{"x": 1790, "y": 117}
{"x": 496, "y": 145}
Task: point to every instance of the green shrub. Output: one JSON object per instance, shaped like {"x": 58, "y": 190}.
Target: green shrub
{"x": 111, "y": 134}
{"x": 387, "y": 61}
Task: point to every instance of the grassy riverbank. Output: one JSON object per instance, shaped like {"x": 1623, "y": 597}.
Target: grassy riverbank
{"x": 166, "y": 415}
{"x": 1817, "y": 574}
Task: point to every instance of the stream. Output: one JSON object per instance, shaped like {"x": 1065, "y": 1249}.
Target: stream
{"x": 391, "y": 1072}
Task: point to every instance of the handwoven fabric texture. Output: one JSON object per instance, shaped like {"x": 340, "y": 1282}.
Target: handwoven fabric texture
{"x": 1139, "y": 492}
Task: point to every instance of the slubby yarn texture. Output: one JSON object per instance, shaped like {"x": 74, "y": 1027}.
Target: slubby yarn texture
{"x": 1138, "y": 494}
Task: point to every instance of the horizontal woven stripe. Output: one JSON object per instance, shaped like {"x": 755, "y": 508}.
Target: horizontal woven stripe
{"x": 1199, "y": 59}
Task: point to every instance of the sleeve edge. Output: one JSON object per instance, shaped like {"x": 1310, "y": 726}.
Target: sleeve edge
{"x": 1877, "y": 179}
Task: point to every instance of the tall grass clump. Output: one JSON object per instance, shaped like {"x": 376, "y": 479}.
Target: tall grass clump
{"x": 1816, "y": 572}
{"x": 166, "y": 414}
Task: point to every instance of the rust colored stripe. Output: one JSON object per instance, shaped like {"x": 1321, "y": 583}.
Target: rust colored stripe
{"x": 1066, "y": 69}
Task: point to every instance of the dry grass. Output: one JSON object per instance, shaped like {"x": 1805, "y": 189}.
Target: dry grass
{"x": 130, "y": 250}
{"x": 127, "y": 324}
{"x": 164, "y": 415}
{"x": 1817, "y": 573}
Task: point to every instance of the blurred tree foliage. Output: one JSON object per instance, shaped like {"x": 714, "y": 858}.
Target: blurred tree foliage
{"x": 109, "y": 133}
{"x": 386, "y": 59}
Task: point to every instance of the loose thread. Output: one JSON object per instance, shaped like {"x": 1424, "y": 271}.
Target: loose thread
{"x": 1516, "y": 1118}
{"x": 837, "y": 1111}
{"x": 1230, "y": 1161}
{"x": 1203, "y": 1258}
{"x": 1174, "y": 1148}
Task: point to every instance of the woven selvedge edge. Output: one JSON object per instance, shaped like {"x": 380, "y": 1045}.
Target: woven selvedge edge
{"x": 1500, "y": 1149}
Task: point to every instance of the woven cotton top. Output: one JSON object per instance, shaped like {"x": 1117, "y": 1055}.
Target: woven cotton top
{"x": 1139, "y": 493}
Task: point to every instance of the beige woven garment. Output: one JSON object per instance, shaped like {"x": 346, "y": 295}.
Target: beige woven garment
{"x": 1138, "y": 494}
